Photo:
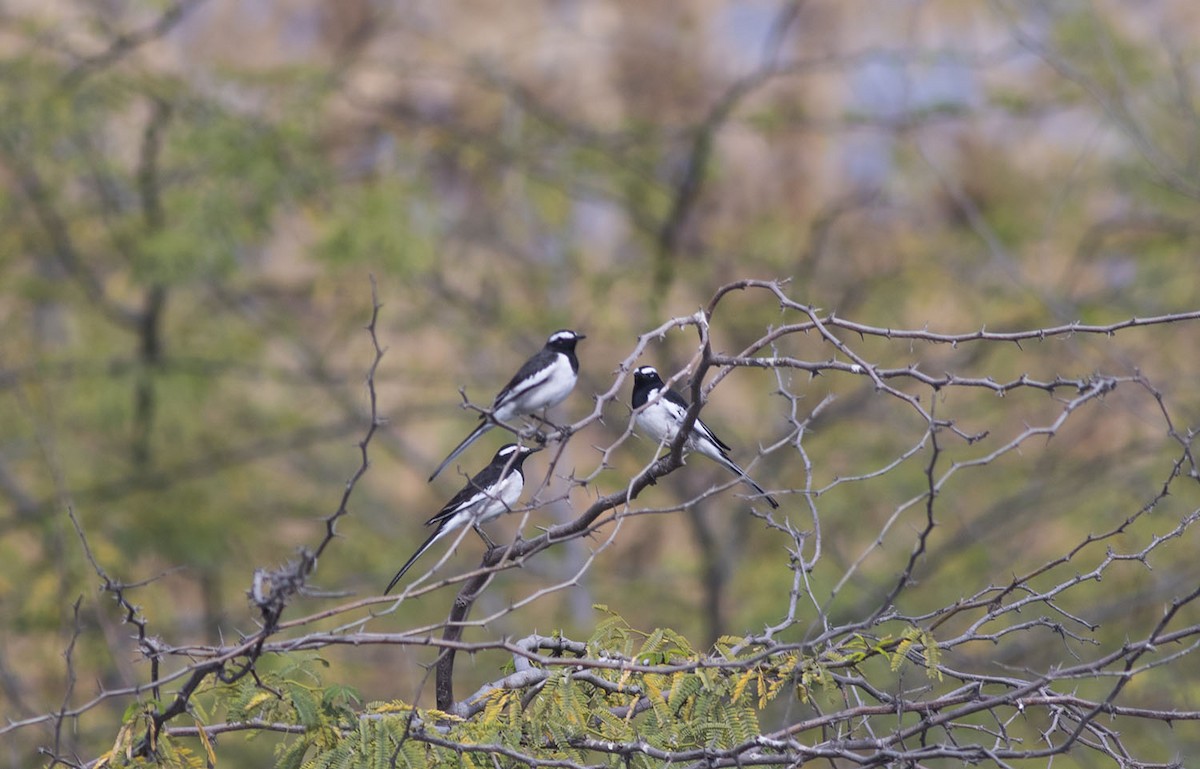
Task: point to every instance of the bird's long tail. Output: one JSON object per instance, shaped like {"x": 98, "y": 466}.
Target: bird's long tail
{"x": 732, "y": 467}
{"x": 434, "y": 537}
{"x": 460, "y": 448}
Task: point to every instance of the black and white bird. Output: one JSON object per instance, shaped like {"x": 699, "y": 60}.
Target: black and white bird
{"x": 544, "y": 381}
{"x": 664, "y": 415}
{"x": 492, "y": 492}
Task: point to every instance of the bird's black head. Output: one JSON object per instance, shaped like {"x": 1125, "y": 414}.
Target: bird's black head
{"x": 514, "y": 454}
{"x": 646, "y": 376}
{"x": 564, "y": 340}
{"x": 645, "y": 381}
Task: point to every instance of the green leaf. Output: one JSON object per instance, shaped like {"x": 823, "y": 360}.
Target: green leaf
{"x": 307, "y": 709}
{"x": 292, "y": 756}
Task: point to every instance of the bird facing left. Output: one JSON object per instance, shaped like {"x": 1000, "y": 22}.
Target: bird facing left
{"x": 544, "y": 381}
{"x": 493, "y": 491}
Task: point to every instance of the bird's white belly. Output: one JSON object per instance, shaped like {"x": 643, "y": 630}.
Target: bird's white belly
{"x": 552, "y": 386}
{"x": 503, "y": 499}
{"x": 656, "y": 423}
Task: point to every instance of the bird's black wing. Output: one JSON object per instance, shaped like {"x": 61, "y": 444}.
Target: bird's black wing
{"x": 532, "y": 373}
{"x": 702, "y": 429}
{"x": 476, "y": 489}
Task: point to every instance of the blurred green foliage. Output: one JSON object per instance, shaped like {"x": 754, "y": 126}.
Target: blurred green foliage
{"x": 202, "y": 439}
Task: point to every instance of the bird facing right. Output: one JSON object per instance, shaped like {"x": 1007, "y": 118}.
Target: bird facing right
{"x": 492, "y": 492}
{"x": 544, "y": 381}
{"x": 660, "y": 413}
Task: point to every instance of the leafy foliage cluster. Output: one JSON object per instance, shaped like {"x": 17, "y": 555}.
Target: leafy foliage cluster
{"x": 620, "y": 698}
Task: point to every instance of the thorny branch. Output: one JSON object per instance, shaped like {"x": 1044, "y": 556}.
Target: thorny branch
{"x": 876, "y": 725}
